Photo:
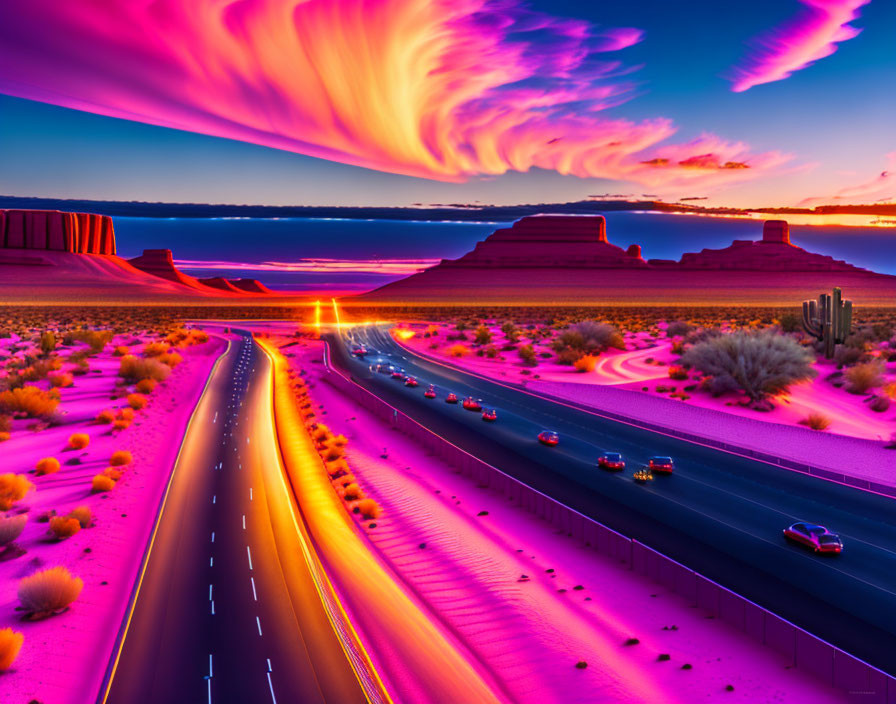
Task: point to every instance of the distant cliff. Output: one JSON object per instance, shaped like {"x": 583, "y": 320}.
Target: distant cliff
{"x": 52, "y": 230}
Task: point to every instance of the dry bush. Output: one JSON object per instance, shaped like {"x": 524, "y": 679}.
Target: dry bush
{"x": 10, "y": 645}
{"x": 368, "y": 508}
{"x": 125, "y": 413}
{"x": 585, "y": 363}
{"x": 47, "y": 465}
{"x": 337, "y": 468}
{"x": 172, "y": 359}
{"x": 48, "y": 591}
{"x": 13, "y": 487}
{"x": 78, "y": 441}
{"x": 83, "y": 515}
{"x": 344, "y": 481}
{"x": 137, "y": 401}
{"x": 146, "y": 386}
{"x": 11, "y": 527}
{"x": 120, "y": 457}
{"x": 759, "y": 363}
{"x": 135, "y": 369}
{"x": 678, "y": 373}
{"x": 121, "y": 424}
{"x": 121, "y": 351}
{"x": 816, "y": 421}
{"x": 320, "y": 433}
{"x": 352, "y": 492}
{"x": 332, "y": 453}
{"x": 29, "y": 401}
{"x": 5, "y": 424}
{"x": 114, "y": 473}
{"x": 458, "y": 351}
{"x": 863, "y": 377}
{"x": 527, "y": 354}
{"x": 64, "y": 527}
{"x": 102, "y": 483}
{"x": 339, "y": 441}
{"x": 96, "y": 340}
{"x": 105, "y": 416}
{"x": 155, "y": 349}
{"x": 4, "y": 436}
{"x": 589, "y": 337}
{"x": 61, "y": 380}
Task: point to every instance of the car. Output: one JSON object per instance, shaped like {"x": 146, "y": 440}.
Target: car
{"x": 661, "y": 465}
{"x": 490, "y": 415}
{"x": 612, "y": 461}
{"x": 359, "y": 351}
{"x": 430, "y": 392}
{"x": 398, "y": 374}
{"x": 548, "y": 437}
{"x": 471, "y": 404}
{"x": 410, "y": 381}
{"x": 385, "y": 368}
{"x": 451, "y": 398}
{"x": 817, "y": 538}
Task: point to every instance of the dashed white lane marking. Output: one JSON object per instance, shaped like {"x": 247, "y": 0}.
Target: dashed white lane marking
{"x": 249, "y": 553}
{"x": 213, "y": 608}
{"x": 258, "y": 622}
{"x": 244, "y": 521}
{"x": 250, "y": 493}
{"x": 254, "y": 593}
{"x": 211, "y": 562}
{"x": 209, "y": 592}
{"x": 271, "y": 685}
{"x": 214, "y": 498}
{"x": 213, "y": 536}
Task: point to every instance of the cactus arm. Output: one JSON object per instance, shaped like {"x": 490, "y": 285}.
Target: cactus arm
{"x": 810, "y": 319}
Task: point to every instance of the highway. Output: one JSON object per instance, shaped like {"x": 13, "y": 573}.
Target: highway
{"x": 227, "y": 610}
{"x": 720, "y": 514}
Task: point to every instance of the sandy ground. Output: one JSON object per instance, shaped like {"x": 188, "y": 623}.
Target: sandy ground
{"x": 64, "y": 657}
{"x": 464, "y": 554}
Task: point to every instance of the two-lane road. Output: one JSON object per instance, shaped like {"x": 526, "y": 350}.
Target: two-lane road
{"x": 720, "y": 514}
{"x": 227, "y": 610}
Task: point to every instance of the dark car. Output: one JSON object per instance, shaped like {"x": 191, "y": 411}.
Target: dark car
{"x": 490, "y": 415}
{"x": 612, "y": 461}
{"x": 451, "y": 398}
{"x": 410, "y": 381}
{"x": 471, "y": 404}
{"x": 430, "y": 392}
{"x": 385, "y": 368}
{"x": 661, "y": 465}
{"x": 816, "y": 538}
{"x": 548, "y": 437}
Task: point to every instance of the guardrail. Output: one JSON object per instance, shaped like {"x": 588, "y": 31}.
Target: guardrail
{"x": 862, "y": 682}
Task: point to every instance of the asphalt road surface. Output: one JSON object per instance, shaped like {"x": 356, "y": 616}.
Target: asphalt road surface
{"x": 719, "y": 514}
{"x": 227, "y": 611}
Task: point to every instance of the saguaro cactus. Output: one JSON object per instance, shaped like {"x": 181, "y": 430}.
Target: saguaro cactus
{"x": 828, "y": 319}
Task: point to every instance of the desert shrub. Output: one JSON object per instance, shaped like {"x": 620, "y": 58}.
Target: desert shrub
{"x": 29, "y": 401}
{"x": 47, "y": 465}
{"x": 846, "y": 356}
{"x": 126, "y": 413}
{"x": 61, "y": 380}
{"x": 155, "y": 349}
{"x": 458, "y": 351}
{"x": 879, "y": 403}
{"x": 333, "y": 452}
{"x": 49, "y": 591}
{"x": 491, "y": 352}
{"x": 137, "y": 401}
{"x": 10, "y": 644}
{"x": 96, "y": 340}
{"x": 105, "y": 416}
{"x": 789, "y": 322}
{"x": 585, "y": 363}
{"x": 40, "y": 369}
{"x": 121, "y": 351}
{"x": 483, "y": 335}
{"x": 113, "y": 473}
{"x": 102, "y": 483}
{"x": 83, "y": 515}
{"x": 5, "y": 423}
{"x": 4, "y": 436}
{"x": 344, "y": 480}
{"x": 338, "y": 468}
{"x": 527, "y": 355}
{"x": 678, "y": 373}
{"x": 352, "y": 492}
{"x": 135, "y": 369}
{"x": 146, "y": 386}
{"x": 759, "y": 363}
{"x": 368, "y": 508}
{"x": 47, "y": 342}
{"x": 340, "y": 441}
{"x": 863, "y": 377}
{"x": 816, "y": 421}
{"x": 678, "y": 328}
{"x": 121, "y": 424}
{"x": 677, "y": 346}
{"x": 78, "y": 441}
{"x": 120, "y": 457}
{"x": 172, "y": 359}
{"x": 13, "y": 487}
{"x": 320, "y": 433}
{"x": 589, "y": 337}
{"x": 11, "y": 527}
{"x": 64, "y": 527}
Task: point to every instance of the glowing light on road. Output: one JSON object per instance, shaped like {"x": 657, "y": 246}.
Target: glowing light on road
{"x": 336, "y": 313}
{"x": 317, "y": 316}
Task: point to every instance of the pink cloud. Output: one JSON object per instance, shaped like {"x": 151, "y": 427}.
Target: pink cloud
{"x": 385, "y": 267}
{"x": 440, "y": 89}
{"x": 881, "y": 188}
{"x": 812, "y": 35}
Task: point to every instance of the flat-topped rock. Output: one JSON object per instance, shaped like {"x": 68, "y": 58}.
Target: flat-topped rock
{"x": 57, "y": 231}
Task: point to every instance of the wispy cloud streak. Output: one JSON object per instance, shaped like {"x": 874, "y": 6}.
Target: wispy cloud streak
{"x": 808, "y": 37}
{"x": 441, "y": 89}
{"x": 385, "y": 267}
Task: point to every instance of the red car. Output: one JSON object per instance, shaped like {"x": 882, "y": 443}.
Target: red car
{"x": 410, "y": 381}
{"x": 451, "y": 398}
{"x": 548, "y": 437}
{"x": 471, "y": 404}
{"x": 817, "y": 538}
{"x": 661, "y": 465}
{"x": 612, "y": 461}
{"x": 359, "y": 351}
{"x": 398, "y": 374}
{"x": 430, "y": 392}
{"x": 489, "y": 415}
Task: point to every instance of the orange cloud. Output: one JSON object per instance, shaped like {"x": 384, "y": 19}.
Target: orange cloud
{"x": 881, "y": 188}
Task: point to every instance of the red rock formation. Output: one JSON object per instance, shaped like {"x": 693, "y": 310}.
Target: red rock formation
{"x": 776, "y": 231}
{"x": 79, "y": 233}
{"x": 219, "y": 282}
{"x": 250, "y": 285}
{"x": 160, "y": 262}
{"x": 634, "y": 250}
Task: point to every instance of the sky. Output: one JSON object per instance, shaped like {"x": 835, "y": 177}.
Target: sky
{"x": 399, "y": 102}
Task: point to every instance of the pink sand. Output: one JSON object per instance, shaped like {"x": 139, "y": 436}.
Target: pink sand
{"x": 529, "y": 634}
{"x": 64, "y": 657}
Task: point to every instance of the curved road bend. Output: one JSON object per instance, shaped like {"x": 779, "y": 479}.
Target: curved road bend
{"x": 227, "y": 611}
{"x": 719, "y": 514}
